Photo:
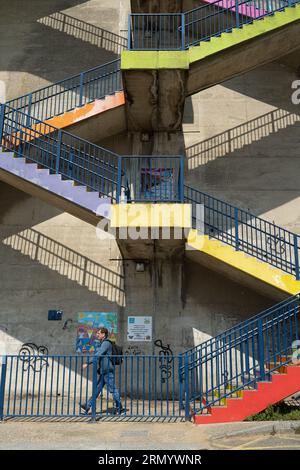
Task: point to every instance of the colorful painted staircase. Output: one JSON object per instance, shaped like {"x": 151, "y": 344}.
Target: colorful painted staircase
{"x": 243, "y": 8}
{"x": 63, "y": 193}
{"x": 251, "y": 402}
{"x": 245, "y": 369}
{"x": 71, "y": 101}
{"x": 243, "y": 246}
{"x": 206, "y": 38}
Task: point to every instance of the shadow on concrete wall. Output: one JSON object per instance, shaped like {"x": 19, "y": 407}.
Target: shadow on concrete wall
{"x": 51, "y": 45}
{"x": 264, "y": 84}
{"x": 252, "y": 139}
{"x": 239, "y": 137}
{"x": 188, "y": 115}
{"x": 86, "y": 32}
{"x": 10, "y": 198}
{"x": 69, "y": 263}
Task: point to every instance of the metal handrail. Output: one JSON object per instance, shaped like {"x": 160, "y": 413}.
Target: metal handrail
{"x": 242, "y": 356}
{"x": 72, "y": 92}
{"x": 147, "y": 31}
{"x": 247, "y": 232}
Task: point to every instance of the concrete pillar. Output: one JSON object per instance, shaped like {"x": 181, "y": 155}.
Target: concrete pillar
{"x": 154, "y": 99}
{"x": 156, "y": 292}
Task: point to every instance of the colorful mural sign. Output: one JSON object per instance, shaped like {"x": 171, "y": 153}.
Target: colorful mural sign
{"x": 88, "y": 324}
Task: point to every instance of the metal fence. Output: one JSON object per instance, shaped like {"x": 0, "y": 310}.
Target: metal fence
{"x": 246, "y": 232}
{"x": 153, "y": 178}
{"x": 55, "y": 386}
{"x": 171, "y": 31}
{"x": 71, "y": 93}
{"x": 242, "y": 356}
{"x": 149, "y": 386}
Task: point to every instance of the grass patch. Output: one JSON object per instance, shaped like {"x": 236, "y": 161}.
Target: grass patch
{"x": 279, "y": 412}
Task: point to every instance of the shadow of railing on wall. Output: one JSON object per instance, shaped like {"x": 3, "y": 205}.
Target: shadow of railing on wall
{"x": 228, "y": 142}
{"x": 69, "y": 263}
{"x": 85, "y": 32}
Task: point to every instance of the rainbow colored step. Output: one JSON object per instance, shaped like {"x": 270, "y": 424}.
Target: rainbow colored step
{"x": 253, "y": 401}
{"x": 248, "y": 10}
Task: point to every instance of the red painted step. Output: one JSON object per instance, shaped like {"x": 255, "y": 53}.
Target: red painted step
{"x": 254, "y": 401}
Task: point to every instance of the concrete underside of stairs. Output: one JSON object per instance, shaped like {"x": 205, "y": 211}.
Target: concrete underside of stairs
{"x": 243, "y": 58}
{"x": 236, "y": 275}
{"x": 49, "y": 197}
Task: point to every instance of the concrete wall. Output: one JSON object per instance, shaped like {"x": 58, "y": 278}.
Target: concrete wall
{"x": 50, "y": 260}
{"x": 242, "y": 142}
{"x": 37, "y": 47}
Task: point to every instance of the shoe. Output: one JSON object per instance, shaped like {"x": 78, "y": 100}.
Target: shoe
{"x": 84, "y": 408}
{"x": 118, "y": 411}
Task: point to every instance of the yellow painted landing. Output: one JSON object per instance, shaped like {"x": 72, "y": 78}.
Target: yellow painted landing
{"x": 131, "y": 60}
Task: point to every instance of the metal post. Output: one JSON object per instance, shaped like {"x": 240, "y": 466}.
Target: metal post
{"x": 2, "y": 115}
{"x": 237, "y": 15}
{"x": 261, "y": 350}
{"x": 183, "y": 31}
{"x": 236, "y": 228}
{"x": 296, "y": 247}
{"x": 81, "y": 89}
{"x": 28, "y": 117}
{"x": 129, "y": 32}
{"x": 180, "y": 382}
{"x": 94, "y": 390}
{"x": 187, "y": 394}
{"x": 2, "y": 385}
{"x": 181, "y": 181}
{"x": 19, "y": 153}
{"x": 119, "y": 180}
{"x": 58, "y": 151}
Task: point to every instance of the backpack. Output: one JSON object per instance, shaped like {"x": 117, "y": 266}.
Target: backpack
{"x": 116, "y": 353}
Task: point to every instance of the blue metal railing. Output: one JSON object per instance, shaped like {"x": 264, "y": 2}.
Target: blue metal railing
{"x": 242, "y": 356}
{"x": 71, "y": 93}
{"x": 155, "y": 386}
{"x": 59, "y": 151}
{"x": 164, "y": 31}
{"x": 153, "y": 178}
{"x": 139, "y": 178}
{"x": 246, "y": 232}
{"x": 55, "y": 385}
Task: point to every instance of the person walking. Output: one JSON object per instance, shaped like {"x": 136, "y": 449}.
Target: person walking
{"x": 106, "y": 373}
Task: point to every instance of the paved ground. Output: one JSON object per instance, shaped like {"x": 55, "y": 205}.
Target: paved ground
{"x": 259, "y": 442}
{"x": 83, "y": 435}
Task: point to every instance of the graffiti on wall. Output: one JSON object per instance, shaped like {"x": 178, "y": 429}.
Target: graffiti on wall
{"x": 165, "y": 360}
{"x": 133, "y": 351}
{"x": 32, "y": 356}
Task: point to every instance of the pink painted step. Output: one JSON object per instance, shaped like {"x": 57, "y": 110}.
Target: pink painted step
{"x": 254, "y": 401}
{"x": 54, "y": 184}
{"x": 248, "y": 10}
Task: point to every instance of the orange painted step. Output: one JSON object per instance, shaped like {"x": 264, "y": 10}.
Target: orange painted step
{"x": 254, "y": 401}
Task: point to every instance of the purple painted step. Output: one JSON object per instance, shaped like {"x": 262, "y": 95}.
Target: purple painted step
{"x": 54, "y": 184}
{"x": 248, "y": 10}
